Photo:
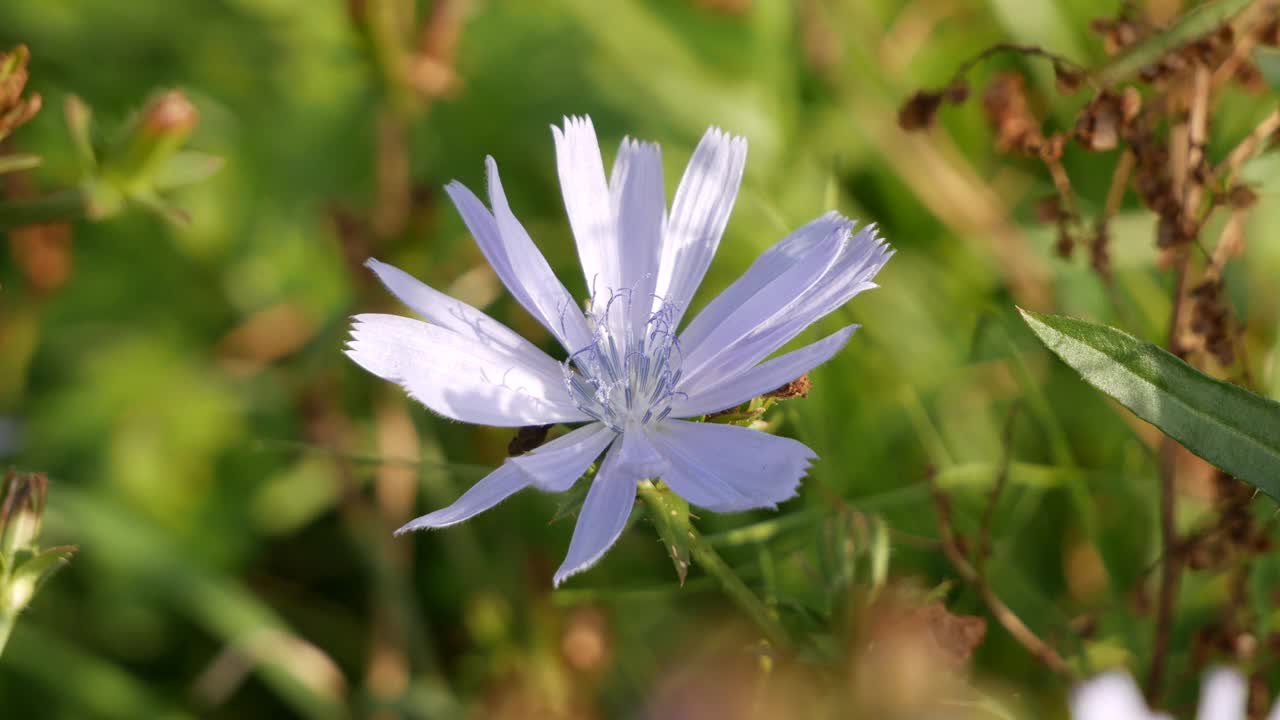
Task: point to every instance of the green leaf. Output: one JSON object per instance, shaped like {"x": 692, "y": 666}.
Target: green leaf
{"x": 80, "y": 127}
{"x": 33, "y": 573}
{"x": 1268, "y": 61}
{"x": 1229, "y": 426}
{"x": 571, "y": 500}
{"x": 187, "y": 167}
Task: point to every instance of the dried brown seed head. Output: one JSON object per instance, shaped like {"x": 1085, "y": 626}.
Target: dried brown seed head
{"x": 957, "y": 92}
{"x": 1049, "y": 209}
{"x": 1241, "y": 197}
{"x": 1052, "y": 148}
{"x": 1067, "y": 78}
{"x": 919, "y": 111}
{"x": 1098, "y": 125}
{"x": 1065, "y": 244}
{"x": 797, "y": 388}
{"x": 1008, "y": 112}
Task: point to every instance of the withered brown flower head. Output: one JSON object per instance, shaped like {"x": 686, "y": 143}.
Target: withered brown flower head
{"x": 15, "y": 110}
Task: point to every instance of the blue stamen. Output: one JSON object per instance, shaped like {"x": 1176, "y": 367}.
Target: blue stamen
{"x": 627, "y": 374}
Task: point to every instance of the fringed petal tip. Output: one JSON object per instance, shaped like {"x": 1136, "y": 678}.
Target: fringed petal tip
{"x": 572, "y": 126}
{"x": 564, "y": 573}
{"x": 411, "y": 526}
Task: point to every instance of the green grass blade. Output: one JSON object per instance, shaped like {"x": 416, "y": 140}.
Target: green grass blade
{"x": 1200, "y": 21}
{"x": 1229, "y": 426}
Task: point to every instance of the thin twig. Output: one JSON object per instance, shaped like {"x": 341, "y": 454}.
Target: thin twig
{"x": 1197, "y": 131}
{"x": 998, "y": 609}
{"x": 1248, "y": 22}
{"x": 1119, "y": 182}
{"x": 1250, "y": 146}
{"x": 1002, "y": 479}
{"x": 1029, "y": 50}
{"x": 1172, "y": 564}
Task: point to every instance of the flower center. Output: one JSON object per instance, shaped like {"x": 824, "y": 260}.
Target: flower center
{"x": 628, "y": 374}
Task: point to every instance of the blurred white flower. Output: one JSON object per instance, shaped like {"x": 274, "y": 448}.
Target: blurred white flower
{"x": 630, "y": 373}
{"x": 1224, "y": 695}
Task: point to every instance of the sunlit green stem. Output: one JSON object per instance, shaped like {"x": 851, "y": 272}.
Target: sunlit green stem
{"x": 6, "y": 627}
{"x": 62, "y": 206}
{"x": 710, "y": 561}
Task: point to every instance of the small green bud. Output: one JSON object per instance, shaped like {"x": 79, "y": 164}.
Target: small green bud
{"x": 154, "y": 137}
{"x": 22, "y": 499}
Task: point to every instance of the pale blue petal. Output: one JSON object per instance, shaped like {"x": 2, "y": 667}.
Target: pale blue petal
{"x": 726, "y": 468}
{"x": 637, "y": 455}
{"x": 860, "y": 258}
{"x": 603, "y": 516}
{"x": 699, "y": 215}
{"x": 1111, "y": 696}
{"x": 459, "y": 377}
{"x": 495, "y": 487}
{"x": 518, "y": 263}
{"x": 555, "y": 466}
{"x": 586, "y": 200}
{"x": 638, "y": 200}
{"x": 1223, "y": 696}
{"x": 795, "y": 248}
{"x": 463, "y": 319}
{"x": 773, "y": 300}
{"x": 761, "y": 379}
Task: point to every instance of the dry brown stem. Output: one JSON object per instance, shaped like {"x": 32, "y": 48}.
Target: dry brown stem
{"x": 1003, "y": 614}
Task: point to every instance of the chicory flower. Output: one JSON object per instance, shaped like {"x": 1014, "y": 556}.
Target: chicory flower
{"x": 631, "y": 373}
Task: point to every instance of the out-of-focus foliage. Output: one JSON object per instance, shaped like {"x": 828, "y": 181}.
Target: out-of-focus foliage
{"x": 232, "y": 480}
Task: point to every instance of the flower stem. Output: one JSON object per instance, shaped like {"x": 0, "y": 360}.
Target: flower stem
{"x": 6, "y": 627}
{"x": 655, "y": 498}
{"x": 61, "y": 206}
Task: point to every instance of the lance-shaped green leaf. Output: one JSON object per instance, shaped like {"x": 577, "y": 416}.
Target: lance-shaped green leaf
{"x": 1227, "y": 425}
{"x": 572, "y": 500}
{"x": 33, "y": 573}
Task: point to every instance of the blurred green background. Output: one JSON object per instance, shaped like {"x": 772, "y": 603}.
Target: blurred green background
{"x": 233, "y": 480}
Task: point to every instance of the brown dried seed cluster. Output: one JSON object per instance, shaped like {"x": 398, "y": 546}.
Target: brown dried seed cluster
{"x": 1211, "y": 320}
{"x": 1117, "y": 33}
{"x": 15, "y": 110}
{"x": 1103, "y": 122}
{"x": 797, "y": 388}
{"x": 921, "y": 110}
{"x": 1156, "y": 125}
{"x": 1227, "y": 545}
{"x": 1009, "y": 115}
